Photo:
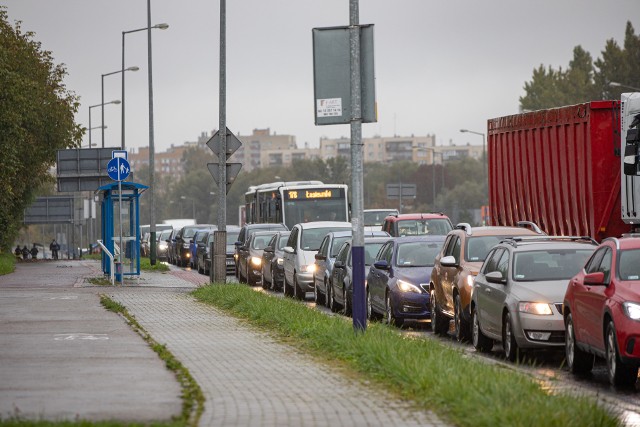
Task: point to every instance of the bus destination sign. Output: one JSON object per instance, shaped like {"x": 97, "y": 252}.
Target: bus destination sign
{"x": 317, "y": 193}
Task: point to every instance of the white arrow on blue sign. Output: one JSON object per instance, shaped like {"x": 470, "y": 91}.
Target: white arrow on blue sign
{"x": 118, "y": 169}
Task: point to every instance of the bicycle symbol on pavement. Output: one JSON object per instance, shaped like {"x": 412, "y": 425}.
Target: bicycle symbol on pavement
{"x": 80, "y": 336}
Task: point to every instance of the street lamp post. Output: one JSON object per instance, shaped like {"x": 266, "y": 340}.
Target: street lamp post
{"x": 117, "y": 101}
{"x": 102, "y": 90}
{"x": 193, "y": 205}
{"x": 616, "y": 84}
{"x": 158, "y": 26}
{"x": 484, "y": 152}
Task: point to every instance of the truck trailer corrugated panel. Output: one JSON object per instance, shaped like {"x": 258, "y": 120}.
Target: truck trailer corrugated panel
{"x": 559, "y": 168}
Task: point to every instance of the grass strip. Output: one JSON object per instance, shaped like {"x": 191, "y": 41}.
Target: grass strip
{"x": 7, "y": 263}
{"x": 145, "y": 265}
{"x": 192, "y": 396}
{"x": 461, "y": 390}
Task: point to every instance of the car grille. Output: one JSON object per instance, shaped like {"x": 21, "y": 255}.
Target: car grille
{"x": 557, "y": 337}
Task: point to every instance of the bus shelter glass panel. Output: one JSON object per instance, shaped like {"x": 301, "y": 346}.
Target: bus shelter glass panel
{"x": 131, "y": 251}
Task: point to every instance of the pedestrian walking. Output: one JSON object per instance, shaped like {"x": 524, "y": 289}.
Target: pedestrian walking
{"x": 34, "y": 252}
{"x": 54, "y": 247}
{"x": 25, "y": 253}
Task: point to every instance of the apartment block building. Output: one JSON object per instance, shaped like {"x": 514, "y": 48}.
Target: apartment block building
{"x": 262, "y": 148}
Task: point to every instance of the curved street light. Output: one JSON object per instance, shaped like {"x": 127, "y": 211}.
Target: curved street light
{"x": 162, "y": 26}
{"x": 102, "y": 90}
{"x": 116, "y": 101}
{"x": 616, "y": 84}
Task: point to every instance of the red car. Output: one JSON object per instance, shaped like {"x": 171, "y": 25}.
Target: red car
{"x": 602, "y": 311}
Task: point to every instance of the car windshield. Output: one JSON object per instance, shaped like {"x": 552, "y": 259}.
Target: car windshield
{"x": 164, "y": 235}
{"x": 551, "y": 264}
{"x": 337, "y": 242}
{"x": 628, "y": 264}
{"x": 261, "y": 241}
{"x": 282, "y": 242}
{"x": 232, "y": 237}
{"x": 370, "y": 251}
{"x": 189, "y": 232}
{"x": 417, "y": 254}
{"x": 478, "y": 247}
{"x": 377, "y": 217}
{"x": 420, "y": 227}
{"x": 312, "y": 237}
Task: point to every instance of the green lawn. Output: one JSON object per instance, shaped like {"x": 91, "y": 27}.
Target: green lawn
{"x": 7, "y": 263}
{"x": 463, "y": 391}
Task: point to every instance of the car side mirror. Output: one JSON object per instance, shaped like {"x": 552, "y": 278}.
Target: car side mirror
{"x": 268, "y": 249}
{"x": 289, "y": 250}
{"x": 381, "y": 265}
{"x": 320, "y": 257}
{"x": 338, "y": 264}
{"x": 596, "y": 278}
{"x": 448, "y": 261}
{"x": 495, "y": 277}
{"x": 238, "y": 243}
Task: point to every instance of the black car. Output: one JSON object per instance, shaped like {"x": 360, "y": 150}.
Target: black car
{"x": 183, "y": 243}
{"x": 204, "y": 255}
{"x": 242, "y": 250}
{"x": 171, "y": 246}
{"x": 340, "y": 289}
{"x": 272, "y": 261}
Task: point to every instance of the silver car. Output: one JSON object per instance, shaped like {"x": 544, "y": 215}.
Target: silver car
{"x": 517, "y": 296}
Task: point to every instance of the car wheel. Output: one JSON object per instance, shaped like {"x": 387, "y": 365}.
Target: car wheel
{"x": 390, "y": 318}
{"x": 509, "y": 339}
{"x": 317, "y": 296}
{"x": 439, "y": 325}
{"x": 481, "y": 342}
{"x": 286, "y": 288}
{"x": 461, "y": 326}
{"x": 346, "y": 308}
{"x": 578, "y": 361}
{"x": 371, "y": 314}
{"x": 620, "y": 373}
{"x": 297, "y": 290}
{"x": 333, "y": 304}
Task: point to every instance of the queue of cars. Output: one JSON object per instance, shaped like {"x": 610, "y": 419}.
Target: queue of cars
{"x": 514, "y": 286}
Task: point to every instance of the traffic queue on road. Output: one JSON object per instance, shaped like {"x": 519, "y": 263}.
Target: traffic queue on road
{"x": 514, "y": 286}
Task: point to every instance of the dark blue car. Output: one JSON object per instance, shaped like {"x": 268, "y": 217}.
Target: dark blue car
{"x": 398, "y": 280}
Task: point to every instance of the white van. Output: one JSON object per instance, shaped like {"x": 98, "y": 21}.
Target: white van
{"x": 299, "y": 254}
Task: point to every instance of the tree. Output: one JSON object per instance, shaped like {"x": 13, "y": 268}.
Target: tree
{"x": 36, "y": 119}
{"x": 585, "y": 80}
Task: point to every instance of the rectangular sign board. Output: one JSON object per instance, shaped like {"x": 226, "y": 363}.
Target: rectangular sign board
{"x": 50, "y": 210}
{"x": 332, "y": 75}
{"x": 407, "y": 190}
{"x": 83, "y": 169}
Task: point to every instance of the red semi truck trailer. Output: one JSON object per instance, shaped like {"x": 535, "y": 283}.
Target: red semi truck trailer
{"x": 560, "y": 168}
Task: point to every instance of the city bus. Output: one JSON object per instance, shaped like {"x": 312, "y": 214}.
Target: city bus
{"x": 294, "y": 202}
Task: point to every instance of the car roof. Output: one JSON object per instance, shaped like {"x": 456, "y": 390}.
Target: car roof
{"x": 323, "y": 224}
{"x": 421, "y": 238}
{"x": 497, "y": 231}
{"x": 266, "y": 226}
{"x": 519, "y": 244}
{"x": 428, "y": 215}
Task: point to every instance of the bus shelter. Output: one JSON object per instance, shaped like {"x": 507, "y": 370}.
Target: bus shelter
{"x": 127, "y": 261}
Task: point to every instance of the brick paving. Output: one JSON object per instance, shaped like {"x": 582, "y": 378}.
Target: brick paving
{"x": 248, "y": 378}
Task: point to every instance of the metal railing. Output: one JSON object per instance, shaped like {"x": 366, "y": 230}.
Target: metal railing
{"x": 110, "y": 255}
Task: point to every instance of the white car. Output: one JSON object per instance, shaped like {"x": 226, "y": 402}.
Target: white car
{"x": 299, "y": 254}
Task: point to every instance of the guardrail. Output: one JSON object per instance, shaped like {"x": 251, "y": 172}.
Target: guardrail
{"x": 110, "y": 255}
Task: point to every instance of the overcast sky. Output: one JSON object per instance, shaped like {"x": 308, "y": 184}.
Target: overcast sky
{"x": 440, "y": 65}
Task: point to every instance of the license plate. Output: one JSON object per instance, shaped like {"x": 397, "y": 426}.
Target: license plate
{"x": 229, "y": 262}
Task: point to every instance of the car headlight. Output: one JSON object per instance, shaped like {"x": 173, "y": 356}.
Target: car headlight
{"x": 540, "y": 308}
{"x": 162, "y": 246}
{"x": 235, "y": 256}
{"x": 308, "y": 268}
{"x": 408, "y": 287}
{"x": 256, "y": 261}
{"x": 470, "y": 280}
{"x": 280, "y": 261}
{"x": 632, "y": 310}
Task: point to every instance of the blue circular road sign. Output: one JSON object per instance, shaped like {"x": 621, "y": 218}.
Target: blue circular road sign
{"x": 118, "y": 169}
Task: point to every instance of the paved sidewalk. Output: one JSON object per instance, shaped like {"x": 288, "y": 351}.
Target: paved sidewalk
{"x": 248, "y": 378}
